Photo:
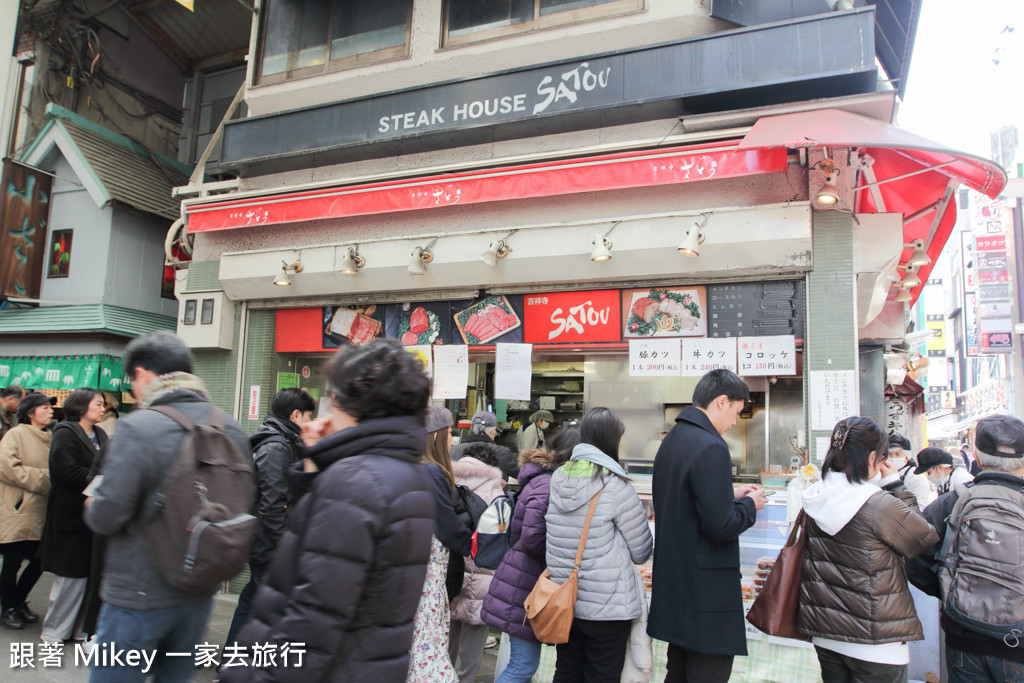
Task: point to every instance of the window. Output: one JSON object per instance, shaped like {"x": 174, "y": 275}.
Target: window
{"x": 468, "y": 21}
{"x": 308, "y": 37}
{"x": 59, "y": 263}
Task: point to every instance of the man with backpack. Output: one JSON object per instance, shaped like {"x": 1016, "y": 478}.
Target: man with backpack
{"x": 975, "y": 569}
{"x": 480, "y": 441}
{"x": 173, "y": 502}
{"x": 275, "y": 447}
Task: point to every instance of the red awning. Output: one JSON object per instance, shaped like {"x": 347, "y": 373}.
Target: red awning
{"x": 589, "y": 174}
{"x": 899, "y": 172}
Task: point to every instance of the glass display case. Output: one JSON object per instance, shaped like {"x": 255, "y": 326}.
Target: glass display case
{"x": 765, "y": 539}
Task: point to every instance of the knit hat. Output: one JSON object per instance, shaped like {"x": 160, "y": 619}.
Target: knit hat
{"x": 1000, "y": 435}
{"x": 438, "y": 418}
{"x": 33, "y": 400}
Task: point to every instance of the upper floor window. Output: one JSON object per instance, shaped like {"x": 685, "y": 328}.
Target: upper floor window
{"x": 309, "y": 37}
{"x": 468, "y": 21}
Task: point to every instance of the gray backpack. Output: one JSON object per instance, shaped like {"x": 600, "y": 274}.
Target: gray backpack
{"x": 979, "y": 565}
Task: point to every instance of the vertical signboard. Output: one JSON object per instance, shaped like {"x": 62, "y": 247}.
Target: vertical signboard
{"x": 995, "y": 326}
{"x": 972, "y": 344}
{"x": 24, "y": 209}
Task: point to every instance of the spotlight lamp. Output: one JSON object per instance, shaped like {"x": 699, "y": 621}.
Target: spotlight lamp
{"x": 690, "y": 246}
{"x": 351, "y": 261}
{"x": 421, "y": 256}
{"x": 497, "y": 250}
{"x": 902, "y": 296}
{"x": 920, "y": 257}
{"x": 602, "y": 248}
{"x": 827, "y": 195}
{"x": 910, "y": 280}
{"x": 283, "y": 280}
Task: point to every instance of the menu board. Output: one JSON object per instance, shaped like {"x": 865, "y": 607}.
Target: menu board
{"x": 701, "y": 356}
{"x": 756, "y": 309}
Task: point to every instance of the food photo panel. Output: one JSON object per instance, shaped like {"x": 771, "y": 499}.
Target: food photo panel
{"x": 355, "y": 325}
{"x": 488, "y": 320}
{"x": 417, "y": 324}
{"x": 664, "y": 312}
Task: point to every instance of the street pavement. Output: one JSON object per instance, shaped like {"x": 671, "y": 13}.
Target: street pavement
{"x": 216, "y": 632}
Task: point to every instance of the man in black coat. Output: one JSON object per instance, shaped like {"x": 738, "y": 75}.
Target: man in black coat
{"x": 482, "y": 432}
{"x": 274, "y": 449}
{"x": 697, "y": 604}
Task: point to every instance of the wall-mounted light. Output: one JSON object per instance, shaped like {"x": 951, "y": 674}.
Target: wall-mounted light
{"x": 827, "y": 195}
{"x": 283, "y": 280}
{"x": 602, "y": 246}
{"x": 351, "y": 261}
{"x": 920, "y": 257}
{"x": 902, "y": 296}
{"x": 910, "y": 280}
{"x": 497, "y": 250}
{"x": 690, "y": 246}
{"x": 421, "y": 256}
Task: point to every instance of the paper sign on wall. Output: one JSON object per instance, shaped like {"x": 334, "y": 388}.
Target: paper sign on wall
{"x": 762, "y": 356}
{"x": 513, "y": 371}
{"x": 833, "y": 396}
{"x": 703, "y": 355}
{"x": 451, "y": 371}
{"x": 654, "y": 357}
{"x": 254, "y": 402}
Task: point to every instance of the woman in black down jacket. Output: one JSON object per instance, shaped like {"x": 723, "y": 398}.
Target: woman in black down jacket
{"x": 66, "y": 546}
{"x": 346, "y": 578}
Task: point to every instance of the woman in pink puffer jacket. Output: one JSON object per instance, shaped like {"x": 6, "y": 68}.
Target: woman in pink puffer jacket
{"x": 468, "y": 631}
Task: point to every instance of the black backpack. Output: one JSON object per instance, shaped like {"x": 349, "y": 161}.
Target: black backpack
{"x": 199, "y": 530}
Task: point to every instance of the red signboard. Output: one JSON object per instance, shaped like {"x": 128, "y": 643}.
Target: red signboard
{"x": 990, "y": 276}
{"x": 548, "y": 179}
{"x": 991, "y": 243}
{"x": 571, "y": 317}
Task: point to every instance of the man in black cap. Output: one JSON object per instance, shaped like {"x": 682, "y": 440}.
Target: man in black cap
{"x": 983, "y": 607}
{"x": 942, "y": 471}
{"x": 482, "y": 432}
{"x": 899, "y": 455}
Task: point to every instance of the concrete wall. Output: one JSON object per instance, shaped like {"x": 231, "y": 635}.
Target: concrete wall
{"x": 428, "y": 62}
{"x": 71, "y": 207}
{"x": 60, "y": 347}
{"x": 136, "y": 250}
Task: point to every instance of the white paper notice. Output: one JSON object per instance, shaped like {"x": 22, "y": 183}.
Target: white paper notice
{"x": 654, "y": 357}
{"x": 451, "y": 371}
{"x": 701, "y": 356}
{"x": 254, "y": 402}
{"x": 763, "y": 356}
{"x": 513, "y": 371}
{"x": 833, "y": 396}
{"x": 821, "y": 447}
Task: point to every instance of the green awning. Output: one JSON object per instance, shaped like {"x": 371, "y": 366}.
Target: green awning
{"x": 63, "y": 372}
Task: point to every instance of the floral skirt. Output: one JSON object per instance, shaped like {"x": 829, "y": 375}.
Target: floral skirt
{"x": 429, "y": 661}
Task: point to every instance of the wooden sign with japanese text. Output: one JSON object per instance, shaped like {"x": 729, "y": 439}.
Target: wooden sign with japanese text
{"x": 571, "y": 317}
{"x": 763, "y": 356}
{"x": 24, "y": 211}
{"x": 701, "y": 356}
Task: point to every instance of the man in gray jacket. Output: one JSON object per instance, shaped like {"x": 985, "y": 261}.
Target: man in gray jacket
{"x": 141, "y": 612}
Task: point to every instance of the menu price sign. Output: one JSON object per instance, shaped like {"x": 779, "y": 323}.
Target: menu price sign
{"x": 451, "y": 371}
{"x": 513, "y": 371}
{"x": 763, "y": 356}
{"x": 654, "y": 358}
{"x": 701, "y": 356}
{"x": 833, "y": 398}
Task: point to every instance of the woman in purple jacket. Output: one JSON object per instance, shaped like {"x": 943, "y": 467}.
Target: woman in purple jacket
{"x": 524, "y": 562}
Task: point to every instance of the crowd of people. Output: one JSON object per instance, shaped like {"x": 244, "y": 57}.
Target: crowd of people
{"x": 364, "y": 544}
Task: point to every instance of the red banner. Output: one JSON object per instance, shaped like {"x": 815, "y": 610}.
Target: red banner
{"x": 571, "y": 317}
{"x": 610, "y": 172}
{"x": 991, "y": 243}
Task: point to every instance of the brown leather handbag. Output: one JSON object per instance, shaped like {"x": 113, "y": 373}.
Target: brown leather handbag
{"x": 774, "y": 610}
{"x": 550, "y": 606}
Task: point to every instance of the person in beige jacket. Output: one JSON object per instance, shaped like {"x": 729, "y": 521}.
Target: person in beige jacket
{"x": 24, "y": 485}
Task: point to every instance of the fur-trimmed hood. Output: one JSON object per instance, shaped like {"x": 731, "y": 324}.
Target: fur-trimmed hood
{"x": 172, "y": 381}
{"x": 538, "y": 456}
{"x": 483, "y": 480}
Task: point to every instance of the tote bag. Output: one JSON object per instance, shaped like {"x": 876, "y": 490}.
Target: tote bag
{"x": 774, "y": 610}
{"x": 550, "y": 606}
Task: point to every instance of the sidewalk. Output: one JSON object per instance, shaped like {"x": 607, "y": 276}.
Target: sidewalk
{"x": 223, "y": 609}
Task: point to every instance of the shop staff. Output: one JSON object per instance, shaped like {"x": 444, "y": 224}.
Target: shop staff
{"x": 532, "y": 435}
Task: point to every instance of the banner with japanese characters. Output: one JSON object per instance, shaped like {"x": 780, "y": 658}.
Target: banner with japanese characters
{"x": 24, "y": 213}
{"x": 701, "y": 356}
{"x": 764, "y": 356}
{"x": 654, "y": 358}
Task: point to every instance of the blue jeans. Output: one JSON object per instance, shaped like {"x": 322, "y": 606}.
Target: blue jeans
{"x": 963, "y": 667}
{"x": 245, "y": 598}
{"x": 524, "y": 658}
{"x": 171, "y": 629}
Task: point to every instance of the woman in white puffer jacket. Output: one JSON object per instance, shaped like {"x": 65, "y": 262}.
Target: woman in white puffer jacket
{"x": 468, "y": 631}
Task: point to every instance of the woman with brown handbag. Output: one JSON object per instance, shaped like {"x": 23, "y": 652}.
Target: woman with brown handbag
{"x": 608, "y": 598}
